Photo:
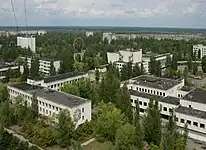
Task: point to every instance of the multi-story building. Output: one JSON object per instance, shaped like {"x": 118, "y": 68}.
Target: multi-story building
{"x": 27, "y": 42}
{"x": 57, "y": 81}
{"x": 5, "y": 66}
{"x": 188, "y": 104}
{"x": 120, "y": 58}
{"x": 44, "y": 65}
{"x": 199, "y": 50}
{"x": 109, "y": 36}
{"x": 51, "y": 102}
{"x": 158, "y": 57}
{"x": 89, "y": 33}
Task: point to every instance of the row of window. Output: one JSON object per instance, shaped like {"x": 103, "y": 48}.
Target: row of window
{"x": 149, "y": 91}
{"x": 180, "y": 95}
{"x": 196, "y": 124}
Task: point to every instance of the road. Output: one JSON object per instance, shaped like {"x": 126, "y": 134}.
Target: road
{"x": 21, "y": 138}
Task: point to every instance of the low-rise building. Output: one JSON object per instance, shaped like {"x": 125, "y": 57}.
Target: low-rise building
{"x": 5, "y": 66}
{"x": 89, "y": 33}
{"x": 57, "y": 81}
{"x": 51, "y": 102}
{"x": 44, "y": 65}
{"x": 188, "y": 104}
{"x": 109, "y": 36}
{"x": 27, "y": 42}
{"x": 199, "y": 50}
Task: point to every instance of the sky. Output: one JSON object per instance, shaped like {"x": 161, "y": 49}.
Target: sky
{"x": 138, "y": 13}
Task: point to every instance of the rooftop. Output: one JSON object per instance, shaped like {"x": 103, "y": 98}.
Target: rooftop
{"x": 197, "y": 95}
{"x": 186, "y": 88}
{"x": 155, "y": 82}
{"x": 62, "y": 76}
{"x": 191, "y": 112}
{"x": 4, "y": 64}
{"x": 168, "y": 99}
{"x": 52, "y": 95}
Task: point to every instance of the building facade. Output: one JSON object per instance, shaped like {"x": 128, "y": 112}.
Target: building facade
{"x": 199, "y": 50}
{"x": 89, "y": 33}
{"x": 120, "y": 58}
{"x": 109, "y": 36}
{"x": 57, "y": 81}
{"x": 187, "y": 104}
{"x": 44, "y": 65}
{"x": 5, "y": 66}
{"x": 27, "y": 42}
{"x": 51, "y": 102}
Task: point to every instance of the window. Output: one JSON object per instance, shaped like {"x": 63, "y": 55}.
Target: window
{"x": 131, "y": 100}
{"x": 165, "y": 108}
{"x": 189, "y": 122}
{"x": 46, "y": 104}
{"x": 170, "y": 109}
{"x": 140, "y": 89}
{"x": 176, "y": 119}
{"x": 49, "y": 112}
{"x": 46, "y": 111}
{"x": 140, "y": 103}
{"x": 43, "y": 103}
{"x": 163, "y": 94}
{"x": 135, "y": 101}
{"x": 154, "y": 92}
{"x": 82, "y": 117}
{"x": 160, "y": 93}
{"x": 202, "y": 125}
{"x": 178, "y": 95}
{"x": 137, "y": 88}
{"x": 39, "y": 102}
{"x": 145, "y": 104}
{"x": 131, "y": 87}
{"x": 56, "y": 108}
{"x": 190, "y": 106}
{"x": 151, "y": 91}
{"x": 82, "y": 109}
{"x": 195, "y": 124}
{"x": 182, "y": 121}
{"x": 157, "y": 93}
{"x": 148, "y": 91}
{"x": 52, "y": 107}
{"x": 49, "y": 105}
{"x": 40, "y": 108}
{"x": 145, "y": 90}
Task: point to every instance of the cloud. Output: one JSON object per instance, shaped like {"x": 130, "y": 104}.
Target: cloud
{"x": 110, "y": 9}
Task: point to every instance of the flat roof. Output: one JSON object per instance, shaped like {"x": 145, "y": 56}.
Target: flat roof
{"x": 63, "y": 76}
{"x": 186, "y": 88}
{"x": 191, "y": 112}
{"x": 168, "y": 99}
{"x": 52, "y": 95}
{"x": 197, "y": 95}
{"x": 155, "y": 82}
{"x": 4, "y": 64}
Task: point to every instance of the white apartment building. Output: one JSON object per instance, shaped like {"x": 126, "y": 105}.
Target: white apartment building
{"x": 158, "y": 57}
{"x": 51, "y": 102}
{"x": 5, "y": 66}
{"x": 57, "y": 81}
{"x": 44, "y": 65}
{"x": 109, "y": 36}
{"x": 27, "y": 42}
{"x": 200, "y": 48}
{"x": 89, "y": 33}
{"x": 188, "y": 104}
{"x": 122, "y": 57}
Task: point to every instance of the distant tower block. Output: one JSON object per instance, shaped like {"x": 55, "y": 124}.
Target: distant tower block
{"x": 27, "y": 42}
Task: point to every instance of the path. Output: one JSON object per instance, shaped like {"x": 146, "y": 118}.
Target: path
{"x": 87, "y": 142}
{"x": 21, "y": 138}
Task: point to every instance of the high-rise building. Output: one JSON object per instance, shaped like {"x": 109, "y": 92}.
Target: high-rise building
{"x": 27, "y": 42}
{"x": 199, "y": 50}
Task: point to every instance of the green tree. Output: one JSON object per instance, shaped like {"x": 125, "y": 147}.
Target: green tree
{"x": 25, "y": 74}
{"x": 71, "y": 89}
{"x": 195, "y": 68}
{"x": 189, "y": 63}
{"x": 152, "y": 123}
{"x": 65, "y": 128}
{"x": 129, "y": 70}
{"x": 125, "y": 138}
{"x": 97, "y": 75}
{"x": 108, "y": 121}
{"x": 168, "y": 61}
{"x": 185, "y": 74}
{"x": 3, "y": 94}
{"x": 152, "y": 65}
{"x": 142, "y": 69}
{"x": 34, "y": 107}
{"x": 52, "y": 68}
{"x": 34, "y": 70}
{"x": 136, "y": 70}
{"x": 204, "y": 64}
{"x": 158, "y": 71}
{"x": 174, "y": 62}
{"x": 124, "y": 73}
{"x": 123, "y": 103}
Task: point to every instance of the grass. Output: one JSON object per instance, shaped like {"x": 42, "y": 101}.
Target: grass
{"x": 98, "y": 146}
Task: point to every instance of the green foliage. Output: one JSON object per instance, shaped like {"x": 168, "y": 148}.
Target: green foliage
{"x": 34, "y": 70}
{"x": 204, "y": 64}
{"x": 71, "y": 89}
{"x": 195, "y": 68}
{"x": 3, "y": 94}
{"x": 34, "y": 107}
{"x": 152, "y": 123}
{"x": 108, "y": 121}
{"x": 97, "y": 75}
{"x": 136, "y": 70}
{"x": 52, "y": 68}
{"x": 125, "y": 138}
{"x": 26, "y": 73}
{"x": 65, "y": 128}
